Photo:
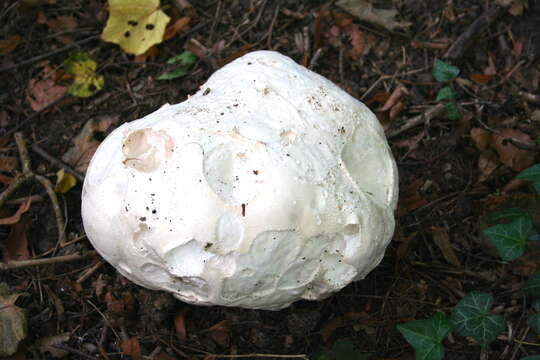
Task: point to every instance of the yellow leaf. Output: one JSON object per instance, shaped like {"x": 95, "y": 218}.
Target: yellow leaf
{"x": 85, "y": 81}
{"x": 64, "y": 181}
{"x": 135, "y": 25}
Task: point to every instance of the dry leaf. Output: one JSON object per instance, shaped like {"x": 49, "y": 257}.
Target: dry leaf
{"x": 8, "y": 163}
{"x": 480, "y": 78}
{"x": 135, "y": 25}
{"x": 43, "y": 90}
{"x": 16, "y": 247}
{"x": 180, "y": 325}
{"x": 46, "y": 344}
{"x": 487, "y": 163}
{"x": 132, "y": 347}
{"x": 85, "y": 144}
{"x": 9, "y": 44}
{"x": 220, "y": 332}
{"x": 173, "y": 29}
{"x": 481, "y": 138}
{"x": 442, "y": 240}
{"x": 13, "y": 320}
{"x": 17, "y": 216}
{"x": 366, "y": 11}
{"x": 357, "y": 38}
{"x": 410, "y": 199}
{"x": 510, "y": 155}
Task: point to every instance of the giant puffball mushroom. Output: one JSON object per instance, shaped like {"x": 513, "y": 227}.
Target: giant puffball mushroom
{"x": 267, "y": 186}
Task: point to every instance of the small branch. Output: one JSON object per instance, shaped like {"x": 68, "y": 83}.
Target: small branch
{"x": 56, "y": 207}
{"x": 18, "y": 264}
{"x": 429, "y": 114}
{"x": 466, "y": 39}
{"x": 56, "y": 162}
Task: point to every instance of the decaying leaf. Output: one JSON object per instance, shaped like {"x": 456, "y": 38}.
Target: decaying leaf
{"x": 47, "y": 344}
{"x": 13, "y": 327}
{"x": 220, "y": 332}
{"x": 442, "y": 240}
{"x": 43, "y": 89}
{"x": 132, "y": 347}
{"x": 135, "y": 25}
{"x": 64, "y": 181}
{"x": 9, "y": 44}
{"x": 85, "y": 144}
{"x": 16, "y": 246}
{"x": 180, "y": 325}
{"x": 366, "y": 11}
{"x": 17, "y": 216}
{"x": 83, "y": 70}
{"x": 510, "y": 155}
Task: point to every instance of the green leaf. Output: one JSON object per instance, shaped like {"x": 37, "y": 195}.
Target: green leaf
{"x": 532, "y": 286}
{"x": 184, "y": 62}
{"x": 446, "y": 93}
{"x": 532, "y": 357}
{"x": 511, "y": 214}
{"x": 534, "y": 320}
{"x": 531, "y": 174}
{"x": 426, "y": 336}
{"x": 344, "y": 350}
{"x": 443, "y": 72}
{"x": 452, "y": 111}
{"x": 510, "y": 239}
{"x": 473, "y": 318}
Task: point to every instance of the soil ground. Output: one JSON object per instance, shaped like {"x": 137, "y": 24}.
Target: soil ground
{"x": 449, "y": 178}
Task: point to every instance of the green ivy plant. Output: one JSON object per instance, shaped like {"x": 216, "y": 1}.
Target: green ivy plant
{"x": 446, "y": 73}
{"x": 472, "y": 316}
{"x": 183, "y": 62}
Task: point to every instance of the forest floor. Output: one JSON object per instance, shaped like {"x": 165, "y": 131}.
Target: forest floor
{"x": 457, "y": 158}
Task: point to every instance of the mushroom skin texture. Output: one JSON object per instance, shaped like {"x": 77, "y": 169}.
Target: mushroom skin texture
{"x": 269, "y": 185}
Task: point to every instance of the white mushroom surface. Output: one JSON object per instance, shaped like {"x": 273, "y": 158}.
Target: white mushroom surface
{"x": 269, "y": 185}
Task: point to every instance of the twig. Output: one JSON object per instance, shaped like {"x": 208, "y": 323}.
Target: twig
{"x": 466, "y": 39}
{"x": 18, "y": 264}
{"x": 271, "y": 29}
{"x": 425, "y": 117}
{"x": 90, "y": 271}
{"x": 239, "y": 356}
{"x": 56, "y": 207}
{"x": 532, "y": 98}
{"x": 28, "y": 175}
{"x": 59, "y": 163}
{"x": 315, "y": 58}
{"x": 46, "y": 55}
{"x": 74, "y": 351}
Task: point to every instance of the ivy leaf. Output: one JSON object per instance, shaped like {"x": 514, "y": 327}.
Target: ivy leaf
{"x": 511, "y": 214}
{"x": 532, "y": 286}
{"x": 534, "y": 320}
{"x": 473, "y": 318}
{"x": 184, "y": 61}
{"x": 443, "y": 72}
{"x": 426, "y": 336}
{"x": 531, "y": 174}
{"x": 452, "y": 111}
{"x": 510, "y": 239}
{"x": 446, "y": 93}
{"x": 532, "y": 357}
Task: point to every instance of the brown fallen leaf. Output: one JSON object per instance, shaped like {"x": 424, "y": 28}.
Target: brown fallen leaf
{"x": 9, "y": 44}
{"x": 85, "y": 144}
{"x": 442, "y": 240}
{"x": 43, "y": 89}
{"x": 220, "y": 332}
{"x": 178, "y": 26}
{"x": 410, "y": 199}
{"x": 395, "y": 96}
{"x": 487, "y": 164}
{"x": 13, "y": 320}
{"x": 47, "y": 345}
{"x": 13, "y": 219}
{"x": 180, "y": 325}
{"x": 366, "y": 11}
{"x": 481, "y": 138}
{"x": 16, "y": 247}
{"x": 357, "y": 38}
{"x": 510, "y": 155}
{"x": 8, "y": 163}
{"x": 132, "y": 347}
